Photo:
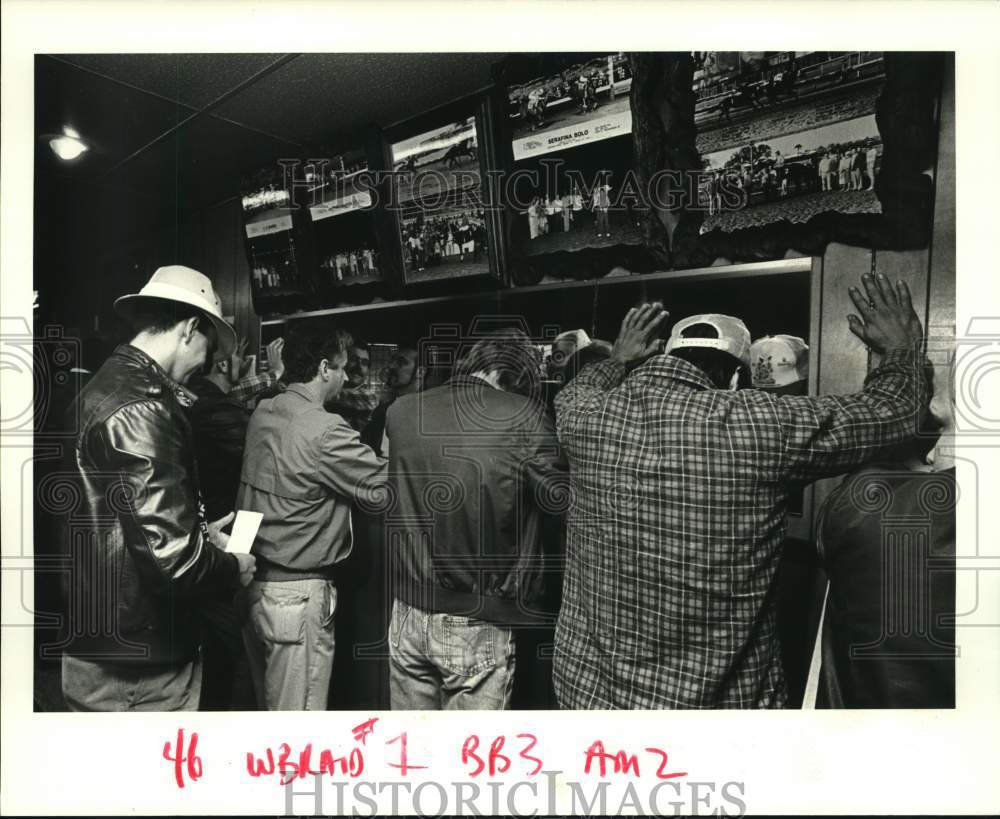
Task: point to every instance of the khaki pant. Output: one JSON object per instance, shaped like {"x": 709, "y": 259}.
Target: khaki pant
{"x": 290, "y": 642}
{"x": 95, "y": 686}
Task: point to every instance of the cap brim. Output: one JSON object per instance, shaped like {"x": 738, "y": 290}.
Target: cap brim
{"x": 224, "y": 333}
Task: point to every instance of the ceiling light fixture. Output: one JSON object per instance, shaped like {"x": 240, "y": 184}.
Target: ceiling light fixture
{"x": 68, "y": 145}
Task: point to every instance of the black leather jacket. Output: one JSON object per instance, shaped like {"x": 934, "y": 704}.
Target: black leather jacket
{"x": 140, "y": 556}
{"x": 220, "y": 424}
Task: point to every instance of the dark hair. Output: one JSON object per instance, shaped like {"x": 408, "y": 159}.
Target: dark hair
{"x": 716, "y": 364}
{"x": 511, "y": 354}
{"x": 155, "y": 316}
{"x": 421, "y": 354}
{"x": 306, "y": 346}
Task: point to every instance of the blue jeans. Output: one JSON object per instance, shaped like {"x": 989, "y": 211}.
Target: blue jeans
{"x": 289, "y": 639}
{"x": 94, "y": 686}
{"x": 448, "y": 662}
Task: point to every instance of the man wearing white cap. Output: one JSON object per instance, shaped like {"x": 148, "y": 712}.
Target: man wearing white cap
{"x": 681, "y": 485}
{"x": 144, "y": 556}
{"x": 563, "y": 346}
{"x": 780, "y": 364}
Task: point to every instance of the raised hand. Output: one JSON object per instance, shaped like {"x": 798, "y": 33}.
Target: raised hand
{"x": 887, "y": 320}
{"x": 637, "y": 337}
{"x": 274, "y": 361}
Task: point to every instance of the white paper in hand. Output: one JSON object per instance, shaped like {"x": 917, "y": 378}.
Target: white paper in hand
{"x": 244, "y": 531}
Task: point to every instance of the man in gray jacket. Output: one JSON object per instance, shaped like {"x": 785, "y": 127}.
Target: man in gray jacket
{"x": 302, "y": 468}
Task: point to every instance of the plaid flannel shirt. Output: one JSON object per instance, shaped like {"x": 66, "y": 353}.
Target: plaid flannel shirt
{"x": 355, "y": 405}
{"x": 677, "y": 522}
{"x": 251, "y": 386}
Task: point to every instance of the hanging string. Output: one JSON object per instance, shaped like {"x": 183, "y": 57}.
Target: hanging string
{"x": 593, "y": 313}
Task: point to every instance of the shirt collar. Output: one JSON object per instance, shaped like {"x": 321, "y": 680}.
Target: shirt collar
{"x": 299, "y": 389}
{"x": 182, "y": 393}
{"x": 672, "y": 368}
{"x": 476, "y": 381}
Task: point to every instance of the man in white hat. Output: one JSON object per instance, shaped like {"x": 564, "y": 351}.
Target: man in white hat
{"x": 780, "y": 364}
{"x": 680, "y": 489}
{"x": 143, "y": 554}
{"x": 563, "y": 346}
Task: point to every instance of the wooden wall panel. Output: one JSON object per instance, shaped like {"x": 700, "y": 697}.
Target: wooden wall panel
{"x": 940, "y": 321}
{"x": 226, "y": 263}
{"x": 842, "y": 357}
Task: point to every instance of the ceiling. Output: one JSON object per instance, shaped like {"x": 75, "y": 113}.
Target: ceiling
{"x": 175, "y": 132}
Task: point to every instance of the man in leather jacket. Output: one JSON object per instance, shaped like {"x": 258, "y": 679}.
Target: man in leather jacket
{"x": 143, "y": 555}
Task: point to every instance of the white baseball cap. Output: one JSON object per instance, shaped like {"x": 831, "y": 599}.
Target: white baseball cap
{"x": 732, "y": 337}
{"x": 777, "y": 361}
{"x": 185, "y": 285}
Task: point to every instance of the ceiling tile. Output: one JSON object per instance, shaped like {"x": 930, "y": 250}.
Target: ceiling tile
{"x": 192, "y": 79}
{"x": 318, "y": 96}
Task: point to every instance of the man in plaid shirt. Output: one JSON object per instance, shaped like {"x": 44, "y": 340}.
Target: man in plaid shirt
{"x": 680, "y": 486}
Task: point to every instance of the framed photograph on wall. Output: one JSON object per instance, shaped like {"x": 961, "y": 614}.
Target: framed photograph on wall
{"x": 759, "y": 153}
{"x": 447, "y": 230}
{"x": 786, "y": 136}
{"x": 568, "y": 125}
{"x": 274, "y": 242}
{"x": 343, "y": 220}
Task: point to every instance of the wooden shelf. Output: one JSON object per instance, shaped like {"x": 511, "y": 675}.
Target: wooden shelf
{"x": 779, "y": 267}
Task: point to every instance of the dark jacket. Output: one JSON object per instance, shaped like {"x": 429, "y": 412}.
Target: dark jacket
{"x": 887, "y": 540}
{"x": 471, "y": 470}
{"x": 375, "y": 428}
{"x": 220, "y": 424}
{"x": 140, "y": 555}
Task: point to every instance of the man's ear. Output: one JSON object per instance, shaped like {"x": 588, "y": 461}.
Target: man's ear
{"x": 188, "y": 328}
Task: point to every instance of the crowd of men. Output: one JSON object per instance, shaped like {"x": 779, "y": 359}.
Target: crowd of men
{"x": 673, "y": 484}
{"x": 848, "y": 167}
{"x": 429, "y": 242}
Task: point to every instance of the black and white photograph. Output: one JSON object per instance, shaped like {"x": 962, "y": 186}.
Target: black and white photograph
{"x": 432, "y": 163}
{"x": 341, "y": 210}
{"x": 345, "y": 389}
{"x": 748, "y": 336}
{"x": 269, "y": 226}
{"x": 570, "y": 135}
{"x": 791, "y": 135}
{"x": 585, "y": 101}
{"x": 445, "y": 242}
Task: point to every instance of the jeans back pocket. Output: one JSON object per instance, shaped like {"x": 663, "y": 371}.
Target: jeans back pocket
{"x": 463, "y": 645}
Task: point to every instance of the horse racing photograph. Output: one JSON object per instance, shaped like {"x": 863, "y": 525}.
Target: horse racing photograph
{"x": 786, "y": 135}
{"x": 429, "y": 163}
{"x": 568, "y": 106}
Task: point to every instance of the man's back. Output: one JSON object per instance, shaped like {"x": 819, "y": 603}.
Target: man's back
{"x": 677, "y": 528}
{"x": 302, "y": 467}
{"x": 466, "y": 461}
{"x": 135, "y": 463}
{"x": 888, "y": 546}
